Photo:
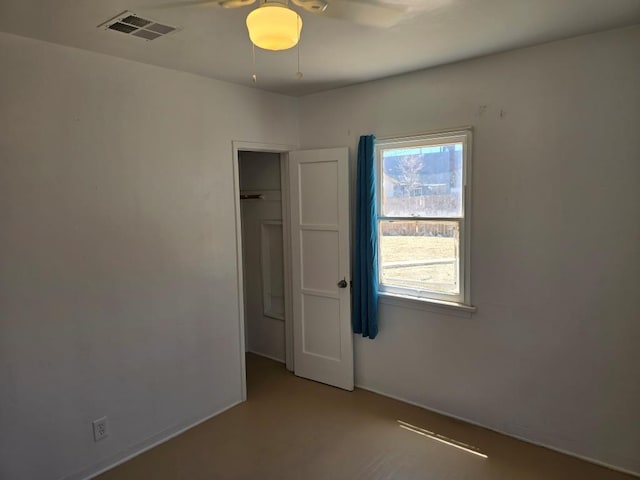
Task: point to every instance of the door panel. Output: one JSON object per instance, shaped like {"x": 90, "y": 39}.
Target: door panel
{"x": 321, "y": 327}
{"x": 323, "y": 343}
{"x": 320, "y": 260}
{"x": 319, "y": 181}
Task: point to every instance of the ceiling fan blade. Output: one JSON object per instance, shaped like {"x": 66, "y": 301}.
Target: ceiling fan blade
{"x": 169, "y": 5}
{"x": 199, "y": 3}
{"x": 313, "y": 6}
{"x": 368, "y": 14}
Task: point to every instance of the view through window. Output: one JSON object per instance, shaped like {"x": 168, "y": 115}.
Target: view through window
{"x": 421, "y": 213}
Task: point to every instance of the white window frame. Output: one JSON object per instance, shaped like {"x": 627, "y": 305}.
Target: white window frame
{"x": 461, "y": 301}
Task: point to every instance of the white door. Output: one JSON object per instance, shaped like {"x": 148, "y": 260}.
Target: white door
{"x": 321, "y": 273}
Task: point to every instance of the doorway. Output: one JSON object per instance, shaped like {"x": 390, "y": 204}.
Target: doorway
{"x": 262, "y": 226}
{"x": 262, "y": 253}
{"x": 292, "y": 267}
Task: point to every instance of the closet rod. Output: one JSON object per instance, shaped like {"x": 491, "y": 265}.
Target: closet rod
{"x": 244, "y": 196}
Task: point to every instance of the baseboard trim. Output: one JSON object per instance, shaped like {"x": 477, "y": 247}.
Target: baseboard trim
{"x": 266, "y": 356}
{"x": 517, "y": 437}
{"x": 141, "y": 447}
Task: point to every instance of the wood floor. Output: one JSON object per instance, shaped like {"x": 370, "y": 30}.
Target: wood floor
{"x": 291, "y": 428}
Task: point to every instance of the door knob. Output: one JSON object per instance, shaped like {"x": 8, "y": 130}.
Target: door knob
{"x": 342, "y": 283}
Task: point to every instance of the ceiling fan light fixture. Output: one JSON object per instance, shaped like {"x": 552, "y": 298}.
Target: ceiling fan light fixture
{"x": 273, "y": 26}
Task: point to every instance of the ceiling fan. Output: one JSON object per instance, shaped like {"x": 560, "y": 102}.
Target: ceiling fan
{"x": 274, "y": 25}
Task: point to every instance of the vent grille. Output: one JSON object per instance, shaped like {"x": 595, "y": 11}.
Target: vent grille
{"x": 131, "y": 24}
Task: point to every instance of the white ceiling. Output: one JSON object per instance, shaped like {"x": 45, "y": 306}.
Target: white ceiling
{"x": 213, "y": 42}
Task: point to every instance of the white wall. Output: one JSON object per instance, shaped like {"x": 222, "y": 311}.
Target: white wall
{"x": 260, "y": 174}
{"x": 552, "y": 353}
{"x": 117, "y": 247}
{"x": 118, "y": 279}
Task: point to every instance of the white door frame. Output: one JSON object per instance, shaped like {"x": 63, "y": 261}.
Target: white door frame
{"x": 283, "y": 150}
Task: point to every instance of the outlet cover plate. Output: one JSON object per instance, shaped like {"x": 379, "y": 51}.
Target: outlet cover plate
{"x": 100, "y": 429}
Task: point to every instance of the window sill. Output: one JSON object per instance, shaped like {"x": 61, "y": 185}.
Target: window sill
{"x": 427, "y": 305}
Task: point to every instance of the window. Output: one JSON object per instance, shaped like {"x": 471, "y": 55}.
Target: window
{"x": 423, "y": 221}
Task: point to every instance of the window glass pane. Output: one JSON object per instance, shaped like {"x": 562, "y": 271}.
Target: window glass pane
{"x": 420, "y": 255}
{"x": 422, "y": 181}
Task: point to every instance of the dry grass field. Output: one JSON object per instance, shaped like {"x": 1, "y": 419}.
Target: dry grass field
{"x": 420, "y": 261}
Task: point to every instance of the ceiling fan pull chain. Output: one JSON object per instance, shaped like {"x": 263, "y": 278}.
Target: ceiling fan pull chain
{"x": 254, "y": 78}
{"x": 298, "y": 74}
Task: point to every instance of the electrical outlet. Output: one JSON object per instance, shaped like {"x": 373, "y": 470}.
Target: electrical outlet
{"x": 100, "y": 429}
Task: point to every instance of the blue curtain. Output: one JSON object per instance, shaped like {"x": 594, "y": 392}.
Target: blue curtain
{"x": 365, "y": 279}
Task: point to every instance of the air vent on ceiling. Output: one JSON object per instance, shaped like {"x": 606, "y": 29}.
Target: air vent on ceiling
{"x": 134, "y": 25}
